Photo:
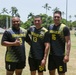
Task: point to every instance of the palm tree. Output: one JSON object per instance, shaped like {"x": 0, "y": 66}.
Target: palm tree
{"x": 4, "y": 10}
{"x": 30, "y": 18}
{"x": 56, "y": 9}
{"x": 47, "y": 7}
{"x": 14, "y": 12}
{"x": 30, "y": 15}
{"x": 17, "y": 14}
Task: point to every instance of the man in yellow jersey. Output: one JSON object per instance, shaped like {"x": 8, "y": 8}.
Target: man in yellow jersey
{"x": 59, "y": 38}
{"x": 14, "y": 39}
{"x": 39, "y": 46}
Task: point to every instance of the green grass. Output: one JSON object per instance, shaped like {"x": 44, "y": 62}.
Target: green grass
{"x": 71, "y": 63}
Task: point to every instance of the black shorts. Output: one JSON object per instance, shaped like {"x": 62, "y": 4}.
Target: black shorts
{"x": 56, "y": 62}
{"x": 11, "y": 66}
{"x": 35, "y": 65}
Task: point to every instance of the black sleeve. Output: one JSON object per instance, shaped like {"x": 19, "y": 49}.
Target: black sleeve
{"x": 28, "y": 31}
{"x": 46, "y": 37}
{"x": 66, "y": 31}
{"x": 27, "y": 37}
{"x": 6, "y": 36}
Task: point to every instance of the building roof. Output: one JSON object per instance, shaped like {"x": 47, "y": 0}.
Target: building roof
{"x": 2, "y": 30}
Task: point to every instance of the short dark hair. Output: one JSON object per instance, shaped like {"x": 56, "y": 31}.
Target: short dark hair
{"x": 59, "y": 12}
{"x": 38, "y": 16}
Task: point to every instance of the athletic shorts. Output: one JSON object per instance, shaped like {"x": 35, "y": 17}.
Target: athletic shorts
{"x": 35, "y": 65}
{"x": 56, "y": 62}
{"x": 11, "y": 66}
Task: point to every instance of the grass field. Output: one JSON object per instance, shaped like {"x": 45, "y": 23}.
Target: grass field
{"x": 71, "y": 63}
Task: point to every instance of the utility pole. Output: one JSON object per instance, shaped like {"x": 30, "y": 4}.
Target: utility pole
{"x": 66, "y": 10}
{"x": 6, "y": 22}
{"x": 10, "y": 22}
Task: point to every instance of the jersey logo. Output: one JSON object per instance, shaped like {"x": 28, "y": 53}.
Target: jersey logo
{"x": 35, "y": 39}
{"x": 41, "y": 68}
{"x": 59, "y": 32}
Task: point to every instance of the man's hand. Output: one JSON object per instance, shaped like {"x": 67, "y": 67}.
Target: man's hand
{"x": 66, "y": 59}
{"x": 43, "y": 62}
{"x": 17, "y": 42}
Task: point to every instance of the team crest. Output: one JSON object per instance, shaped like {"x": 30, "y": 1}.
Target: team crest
{"x": 42, "y": 33}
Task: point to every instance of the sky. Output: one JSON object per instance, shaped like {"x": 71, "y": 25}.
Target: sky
{"x": 35, "y": 6}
